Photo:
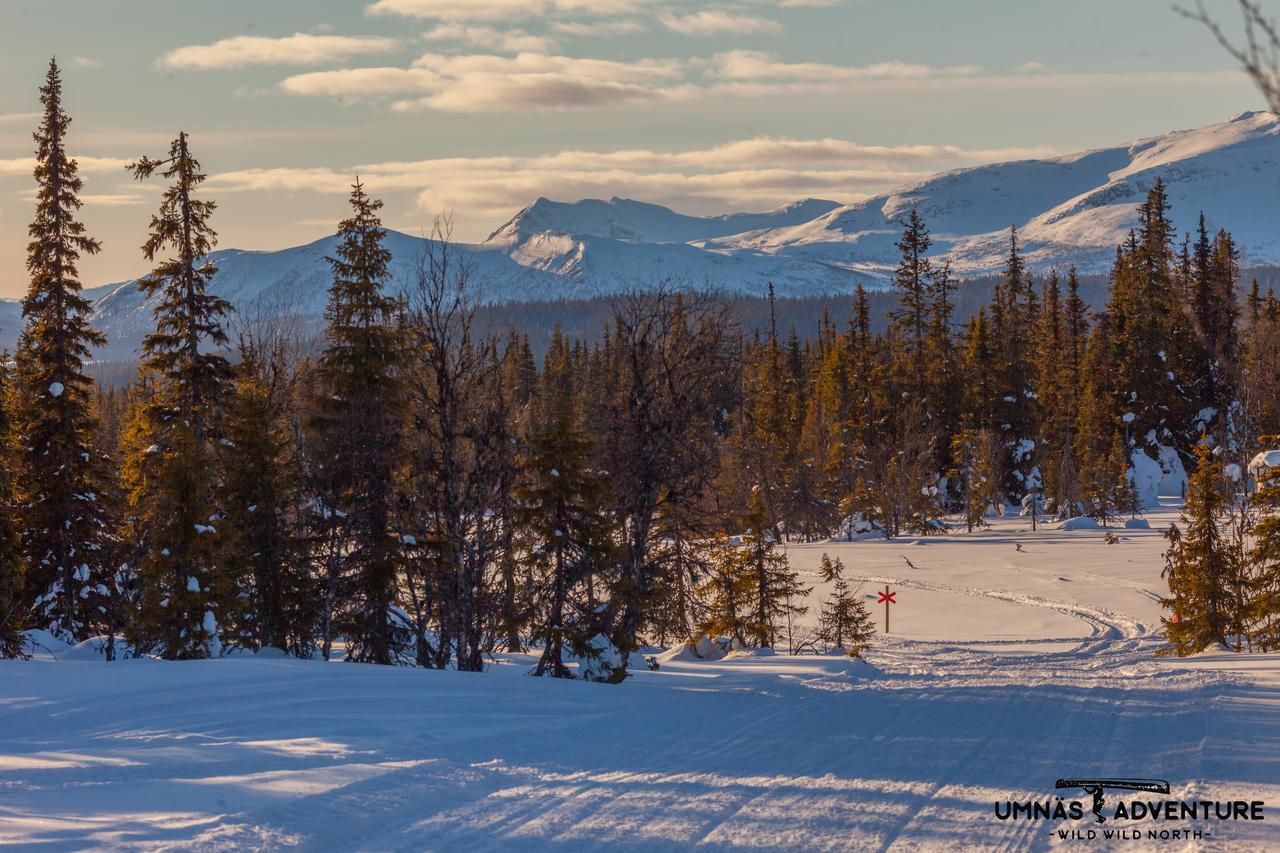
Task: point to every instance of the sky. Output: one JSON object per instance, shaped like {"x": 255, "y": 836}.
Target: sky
{"x": 472, "y": 109}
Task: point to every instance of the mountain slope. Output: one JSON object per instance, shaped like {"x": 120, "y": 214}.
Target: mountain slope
{"x": 1069, "y": 210}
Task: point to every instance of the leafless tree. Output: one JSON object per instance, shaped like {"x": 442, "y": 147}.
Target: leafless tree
{"x": 457, "y": 454}
{"x": 669, "y": 354}
{"x": 1257, "y": 49}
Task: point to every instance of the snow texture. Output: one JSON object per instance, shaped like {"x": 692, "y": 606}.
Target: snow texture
{"x": 1006, "y": 670}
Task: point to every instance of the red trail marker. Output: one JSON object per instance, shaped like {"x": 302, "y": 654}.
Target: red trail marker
{"x": 887, "y": 598}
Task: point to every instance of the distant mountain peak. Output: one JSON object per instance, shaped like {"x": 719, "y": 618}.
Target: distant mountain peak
{"x": 1072, "y": 209}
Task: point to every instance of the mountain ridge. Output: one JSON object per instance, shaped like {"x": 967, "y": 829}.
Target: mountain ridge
{"x": 1070, "y": 209}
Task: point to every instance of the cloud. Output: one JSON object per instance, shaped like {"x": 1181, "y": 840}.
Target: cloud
{"x": 114, "y": 199}
{"x": 297, "y": 49}
{"x": 600, "y": 29}
{"x": 488, "y": 38}
{"x": 716, "y": 21}
{"x": 86, "y": 62}
{"x": 25, "y": 165}
{"x": 497, "y": 10}
{"x": 755, "y": 173}
{"x": 19, "y": 118}
{"x": 480, "y": 82}
{"x": 358, "y": 83}
{"x": 756, "y": 65}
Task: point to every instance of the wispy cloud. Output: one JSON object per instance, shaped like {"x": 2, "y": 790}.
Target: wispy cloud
{"x": 489, "y": 38}
{"x": 600, "y": 29}
{"x": 752, "y": 173}
{"x": 496, "y": 10}
{"x": 18, "y": 118}
{"x": 472, "y": 83}
{"x": 25, "y": 165}
{"x": 757, "y": 65}
{"x": 297, "y": 49}
{"x": 716, "y": 21}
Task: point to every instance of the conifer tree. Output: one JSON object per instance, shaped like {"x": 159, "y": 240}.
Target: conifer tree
{"x": 1263, "y": 560}
{"x": 1014, "y": 320}
{"x": 911, "y": 318}
{"x": 844, "y": 621}
{"x": 727, "y": 592}
{"x": 60, "y": 476}
{"x": 267, "y": 594}
{"x": 1199, "y": 565}
{"x": 978, "y": 459}
{"x": 561, "y": 500}
{"x": 774, "y": 583}
{"x": 12, "y": 622}
{"x": 172, "y": 474}
{"x": 355, "y": 434}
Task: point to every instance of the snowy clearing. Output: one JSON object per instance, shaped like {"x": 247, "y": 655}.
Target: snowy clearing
{"x": 1006, "y": 670}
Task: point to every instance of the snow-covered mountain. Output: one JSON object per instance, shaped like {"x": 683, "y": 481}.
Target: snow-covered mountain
{"x": 10, "y": 322}
{"x": 1070, "y": 210}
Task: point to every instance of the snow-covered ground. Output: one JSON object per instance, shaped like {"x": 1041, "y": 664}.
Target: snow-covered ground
{"x": 1006, "y": 670}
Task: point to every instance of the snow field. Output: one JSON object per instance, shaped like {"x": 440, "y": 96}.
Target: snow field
{"x": 1006, "y": 670}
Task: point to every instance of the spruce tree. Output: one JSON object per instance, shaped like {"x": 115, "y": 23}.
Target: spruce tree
{"x": 172, "y": 473}
{"x": 355, "y": 433}
{"x": 1264, "y": 561}
{"x": 727, "y": 592}
{"x": 266, "y": 592}
{"x": 774, "y": 583}
{"x": 60, "y": 476}
{"x": 1199, "y": 565}
{"x": 911, "y": 319}
{"x": 12, "y": 621}
{"x": 561, "y": 509}
{"x": 844, "y": 622}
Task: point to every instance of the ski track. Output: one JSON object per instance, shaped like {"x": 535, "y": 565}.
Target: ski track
{"x": 906, "y": 752}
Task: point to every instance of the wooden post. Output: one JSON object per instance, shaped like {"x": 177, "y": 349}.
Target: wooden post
{"x": 886, "y": 608}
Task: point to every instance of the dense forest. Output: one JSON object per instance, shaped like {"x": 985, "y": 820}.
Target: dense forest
{"x": 419, "y": 487}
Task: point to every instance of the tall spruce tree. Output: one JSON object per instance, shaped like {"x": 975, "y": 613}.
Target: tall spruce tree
{"x": 12, "y": 622}
{"x": 1199, "y": 565}
{"x": 911, "y": 317}
{"x": 172, "y": 474}
{"x": 1264, "y": 561}
{"x": 267, "y": 594}
{"x": 61, "y": 477}
{"x": 561, "y": 500}
{"x": 356, "y": 428}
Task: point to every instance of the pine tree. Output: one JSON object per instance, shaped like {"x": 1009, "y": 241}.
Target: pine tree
{"x": 844, "y": 622}
{"x": 1264, "y": 561}
{"x": 171, "y": 473}
{"x": 355, "y": 427}
{"x": 1015, "y": 315}
{"x": 978, "y": 459}
{"x": 60, "y": 476}
{"x": 727, "y": 592}
{"x": 267, "y": 594}
{"x": 1199, "y": 565}
{"x": 561, "y": 500}
{"x": 12, "y": 622}
{"x": 774, "y": 583}
{"x": 911, "y": 319}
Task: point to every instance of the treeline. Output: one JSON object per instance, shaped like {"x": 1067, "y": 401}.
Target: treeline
{"x": 419, "y": 489}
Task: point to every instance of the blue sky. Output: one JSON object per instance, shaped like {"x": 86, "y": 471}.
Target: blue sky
{"x": 477, "y": 107}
